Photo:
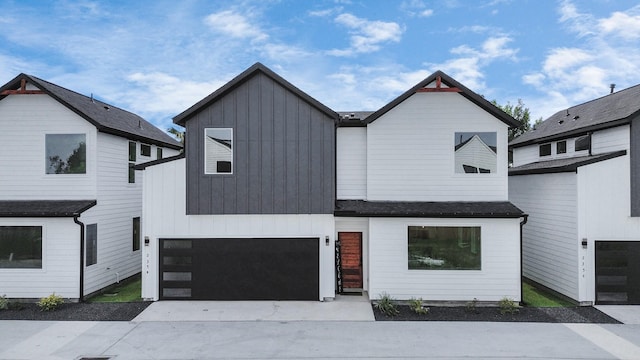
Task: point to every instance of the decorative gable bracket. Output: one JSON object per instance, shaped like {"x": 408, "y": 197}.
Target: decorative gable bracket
{"x": 439, "y": 87}
{"x": 22, "y": 90}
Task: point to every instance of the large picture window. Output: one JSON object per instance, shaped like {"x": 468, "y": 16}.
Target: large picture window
{"x": 475, "y": 152}
{"x": 21, "y": 247}
{"x": 444, "y": 248}
{"x": 218, "y": 149}
{"x": 66, "y": 153}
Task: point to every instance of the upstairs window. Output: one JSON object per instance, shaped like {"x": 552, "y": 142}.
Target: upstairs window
{"x": 545, "y": 149}
{"x": 218, "y": 151}
{"x": 583, "y": 143}
{"x": 132, "y": 151}
{"x": 132, "y": 162}
{"x": 158, "y": 153}
{"x": 475, "y": 152}
{"x": 561, "y": 147}
{"x": 66, "y": 153}
{"x": 145, "y": 150}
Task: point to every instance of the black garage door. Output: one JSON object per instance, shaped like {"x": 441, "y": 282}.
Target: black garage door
{"x": 617, "y": 272}
{"x": 239, "y": 269}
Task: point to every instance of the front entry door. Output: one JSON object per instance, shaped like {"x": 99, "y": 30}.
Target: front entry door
{"x": 351, "y": 259}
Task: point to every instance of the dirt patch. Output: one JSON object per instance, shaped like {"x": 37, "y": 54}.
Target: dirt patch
{"x": 78, "y": 312}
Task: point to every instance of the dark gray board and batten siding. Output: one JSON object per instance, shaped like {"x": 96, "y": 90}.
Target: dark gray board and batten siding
{"x": 283, "y": 153}
{"x": 634, "y": 158}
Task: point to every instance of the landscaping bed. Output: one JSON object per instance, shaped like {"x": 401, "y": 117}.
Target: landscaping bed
{"x": 122, "y": 311}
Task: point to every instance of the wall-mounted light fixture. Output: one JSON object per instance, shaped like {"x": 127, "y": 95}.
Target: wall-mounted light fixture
{"x": 326, "y": 240}
{"x": 584, "y": 243}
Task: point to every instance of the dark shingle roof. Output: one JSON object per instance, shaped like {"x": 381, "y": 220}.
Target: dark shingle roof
{"x": 450, "y": 82}
{"x": 562, "y": 165}
{"x": 106, "y": 118}
{"x": 143, "y": 166}
{"x": 44, "y": 208}
{"x": 256, "y": 68}
{"x": 608, "y": 111}
{"x": 431, "y": 209}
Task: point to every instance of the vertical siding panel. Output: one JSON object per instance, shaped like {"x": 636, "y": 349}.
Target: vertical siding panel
{"x": 267, "y": 140}
{"x": 329, "y": 171}
{"x": 304, "y": 145}
{"x": 291, "y": 190}
{"x": 241, "y": 155}
{"x": 255, "y": 147}
{"x": 279, "y": 158}
{"x": 316, "y": 163}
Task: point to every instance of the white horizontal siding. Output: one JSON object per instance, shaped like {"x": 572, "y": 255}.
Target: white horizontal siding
{"x": 612, "y": 139}
{"x": 60, "y": 271}
{"x": 499, "y": 276}
{"x": 164, "y": 217}
{"x": 525, "y": 155}
{"x": 410, "y": 151}
{"x": 550, "y": 237}
{"x": 26, "y": 119}
{"x": 351, "y": 163}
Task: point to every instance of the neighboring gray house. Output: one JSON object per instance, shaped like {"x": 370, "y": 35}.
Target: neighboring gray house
{"x": 577, "y": 175}
{"x": 70, "y": 203}
{"x": 315, "y": 203}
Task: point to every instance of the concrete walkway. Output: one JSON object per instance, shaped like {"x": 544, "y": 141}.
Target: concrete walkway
{"x": 626, "y": 314}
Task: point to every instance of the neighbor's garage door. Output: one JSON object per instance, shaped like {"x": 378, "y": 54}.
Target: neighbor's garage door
{"x": 239, "y": 269}
{"x": 618, "y": 272}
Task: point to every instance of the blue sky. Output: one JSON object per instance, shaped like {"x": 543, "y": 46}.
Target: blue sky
{"x": 157, "y": 58}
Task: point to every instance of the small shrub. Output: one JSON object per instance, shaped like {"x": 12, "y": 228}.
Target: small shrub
{"x": 50, "y": 303}
{"x": 508, "y": 306}
{"x": 386, "y": 306}
{"x": 472, "y": 306}
{"x": 4, "y": 303}
{"x": 416, "y": 306}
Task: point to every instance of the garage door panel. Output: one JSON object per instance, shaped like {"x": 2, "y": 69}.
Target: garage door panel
{"x": 247, "y": 269}
{"x": 617, "y": 272}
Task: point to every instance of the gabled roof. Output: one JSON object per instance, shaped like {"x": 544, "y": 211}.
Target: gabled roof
{"x": 608, "y": 111}
{"x": 440, "y": 76}
{"x": 257, "y": 68}
{"x": 106, "y": 118}
{"x": 427, "y": 209}
{"x": 44, "y": 208}
{"x": 562, "y": 165}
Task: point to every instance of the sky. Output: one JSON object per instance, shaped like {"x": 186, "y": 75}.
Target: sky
{"x": 157, "y": 58}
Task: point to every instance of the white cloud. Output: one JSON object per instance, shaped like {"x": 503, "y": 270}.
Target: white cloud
{"x": 626, "y": 26}
{"x": 235, "y": 25}
{"x": 416, "y": 8}
{"x": 366, "y": 36}
{"x": 325, "y": 12}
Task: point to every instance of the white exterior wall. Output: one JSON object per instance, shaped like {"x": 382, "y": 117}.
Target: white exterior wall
{"x": 525, "y": 155}
{"x": 498, "y": 278}
{"x": 164, "y": 217}
{"x": 609, "y": 140}
{"x": 351, "y": 163}
{"x": 26, "y": 119}
{"x": 357, "y": 224}
{"x": 410, "y": 151}
{"x": 604, "y": 209}
{"x": 550, "y": 238}
{"x": 60, "y": 271}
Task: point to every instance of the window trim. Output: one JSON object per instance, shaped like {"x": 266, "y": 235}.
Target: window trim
{"x": 145, "y": 150}
{"x": 159, "y": 154}
{"x": 558, "y": 147}
{"x": 134, "y": 154}
{"x": 43, "y": 250}
{"x": 458, "y": 162}
{"x": 139, "y": 237}
{"x": 204, "y": 149}
{"x": 86, "y": 246}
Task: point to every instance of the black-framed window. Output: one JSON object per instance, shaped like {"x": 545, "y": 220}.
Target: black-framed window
{"x": 21, "y": 247}
{"x": 583, "y": 143}
{"x": 132, "y": 151}
{"x": 218, "y": 149}
{"x": 91, "y": 247}
{"x": 145, "y": 150}
{"x": 561, "y": 147}
{"x": 132, "y": 173}
{"x": 545, "y": 150}
{"x": 444, "y": 248}
{"x": 158, "y": 153}
{"x": 66, "y": 153}
{"x": 136, "y": 233}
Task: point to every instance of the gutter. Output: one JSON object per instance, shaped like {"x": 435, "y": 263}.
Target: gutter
{"x": 525, "y": 217}
{"x": 81, "y": 224}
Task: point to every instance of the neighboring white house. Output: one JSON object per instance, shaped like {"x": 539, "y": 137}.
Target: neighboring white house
{"x": 577, "y": 175}
{"x": 70, "y": 203}
{"x": 310, "y": 210}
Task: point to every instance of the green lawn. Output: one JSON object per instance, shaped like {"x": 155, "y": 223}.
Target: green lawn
{"x": 126, "y": 291}
{"x": 534, "y": 297}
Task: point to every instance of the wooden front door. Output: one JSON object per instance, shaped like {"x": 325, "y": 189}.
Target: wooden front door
{"x": 351, "y": 259}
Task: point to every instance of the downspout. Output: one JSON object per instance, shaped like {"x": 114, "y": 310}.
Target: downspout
{"x": 525, "y": 217}
{"x": 75, "y": 220}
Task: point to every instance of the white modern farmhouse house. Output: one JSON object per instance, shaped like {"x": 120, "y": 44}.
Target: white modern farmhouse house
{"x": 577, "y": 175}
{"x": 70, "y": 201}
{"x": 279, "y": 197}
